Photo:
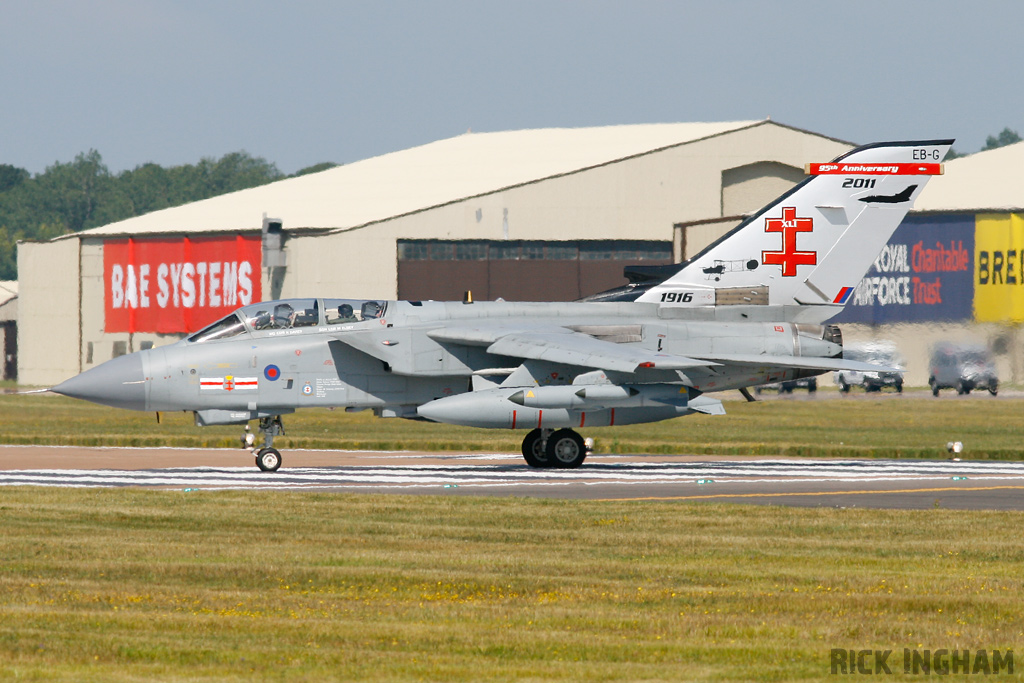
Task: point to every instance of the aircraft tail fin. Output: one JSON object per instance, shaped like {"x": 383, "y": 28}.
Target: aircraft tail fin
{"x": 811, "y": 246}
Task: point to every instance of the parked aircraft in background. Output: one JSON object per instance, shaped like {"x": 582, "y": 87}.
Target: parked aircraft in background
{"x": 747, "y": 310}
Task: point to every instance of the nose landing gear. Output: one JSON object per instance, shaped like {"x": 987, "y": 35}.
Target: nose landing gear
{"x": 268, "y": 459}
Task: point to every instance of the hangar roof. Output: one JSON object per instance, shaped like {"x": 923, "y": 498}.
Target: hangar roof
{"x": 415, "y": 179}
{"x": 986, "y": 181}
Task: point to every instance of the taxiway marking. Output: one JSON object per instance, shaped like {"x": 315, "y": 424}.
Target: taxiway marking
{"x": 486, "y": 472}
{"x": 820, "y": 493}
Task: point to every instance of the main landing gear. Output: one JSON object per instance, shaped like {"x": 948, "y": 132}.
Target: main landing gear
{"x": 564, "y": 448}
{"x": 268, "y": 459}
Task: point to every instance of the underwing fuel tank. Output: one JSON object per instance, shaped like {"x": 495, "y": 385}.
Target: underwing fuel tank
{"x": 566, "y": 406}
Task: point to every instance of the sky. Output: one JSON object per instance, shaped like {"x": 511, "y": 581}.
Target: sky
{"x": 304, "y": 82}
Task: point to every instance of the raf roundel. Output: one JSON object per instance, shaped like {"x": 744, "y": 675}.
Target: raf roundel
{"x": 272, "y": 372}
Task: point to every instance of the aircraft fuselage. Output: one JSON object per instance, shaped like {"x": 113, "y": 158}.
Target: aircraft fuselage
{"x": 401, "y": 360}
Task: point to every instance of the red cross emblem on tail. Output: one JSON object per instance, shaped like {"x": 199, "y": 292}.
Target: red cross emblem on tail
{"x": 789, "y": 258}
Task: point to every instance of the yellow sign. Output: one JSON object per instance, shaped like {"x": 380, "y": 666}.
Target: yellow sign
{"x": 999, "y": 268}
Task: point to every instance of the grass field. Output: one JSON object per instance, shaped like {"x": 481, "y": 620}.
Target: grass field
{"x": 147, "y": 585}
{"x": 908, "y": 426}
{"x": 133, "y": 585}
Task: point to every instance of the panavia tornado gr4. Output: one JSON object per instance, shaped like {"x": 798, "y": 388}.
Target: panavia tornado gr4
{"x": 747, "y": 310}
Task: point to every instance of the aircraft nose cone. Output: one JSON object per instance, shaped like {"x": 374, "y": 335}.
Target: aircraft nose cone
{"x": 120, "y": 383}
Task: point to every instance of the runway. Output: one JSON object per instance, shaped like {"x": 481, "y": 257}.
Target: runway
{"x": 917, "y": 484}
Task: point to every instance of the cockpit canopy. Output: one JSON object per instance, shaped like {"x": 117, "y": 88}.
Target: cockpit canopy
{"x": 289, "y": 314}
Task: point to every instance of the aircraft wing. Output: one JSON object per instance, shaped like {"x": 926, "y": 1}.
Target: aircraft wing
{"x": 561, "y": 345}
{"x": 808, "y": 362}
{"x": 557, "y": 344}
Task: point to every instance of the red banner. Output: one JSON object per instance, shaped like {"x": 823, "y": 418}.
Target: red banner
{"x": 178, "y": 285}
{"x": 839, "y": 168}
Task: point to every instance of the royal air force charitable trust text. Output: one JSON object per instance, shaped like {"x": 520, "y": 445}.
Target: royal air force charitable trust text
{"x": 907, "y": 290}
{"x": 188, "y": 285}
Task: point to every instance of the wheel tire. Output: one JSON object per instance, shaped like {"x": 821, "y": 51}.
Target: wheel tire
{"x": 533, "y": 450}
{"x": 844, "y": 386}
{"x": 993, "y": 388}
{"x": 934, "y": 385}
{"x": 960, "y": 388}
{"x": 812, "y": 386}
{"x": 899, "y": 388}
{"x": 566, "y": 449}
{"x": 268, "y": 459}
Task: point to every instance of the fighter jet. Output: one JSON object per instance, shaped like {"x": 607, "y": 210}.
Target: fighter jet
{"x": 654, "y": 349}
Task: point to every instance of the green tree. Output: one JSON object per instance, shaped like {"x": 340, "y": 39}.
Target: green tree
{"x": 82, "y": 194}
{"x": 77, "y": 195}
{"x": 11, "y": 176}
{"x": 147, "y": 188}
{"x": 151, "y": 187}
{"x": 1006, "y": 137}
{"x": 9, "y": 247}
{"x": 8, "y": 254}
{"x": 235, "y": 171}
{"x": 315, "y": 168}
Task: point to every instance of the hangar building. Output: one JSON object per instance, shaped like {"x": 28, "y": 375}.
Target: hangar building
{"x": 551, "y": 214}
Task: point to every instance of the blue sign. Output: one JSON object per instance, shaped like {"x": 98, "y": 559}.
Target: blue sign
{"x": 924, "y": 274}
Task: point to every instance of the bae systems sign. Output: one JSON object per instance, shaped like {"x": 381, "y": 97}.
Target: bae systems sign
{"x": 925, "y": 273}
{"x": 177, "y": 285}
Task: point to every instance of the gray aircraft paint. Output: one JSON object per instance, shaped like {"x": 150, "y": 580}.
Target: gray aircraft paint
{"x": 647, "y": 352}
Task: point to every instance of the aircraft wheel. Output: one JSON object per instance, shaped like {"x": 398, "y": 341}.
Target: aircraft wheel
{"x": 533, "y": 449}
{"x": 899, "y": 388}
{"x": 844, "y": 386}
{"x": 268, "y": 459}
{"x": 935, "y": 386}
{"x": 566, "y": 449}
{"x": 961, "y": 388}
{"x": 993, "y": 388}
